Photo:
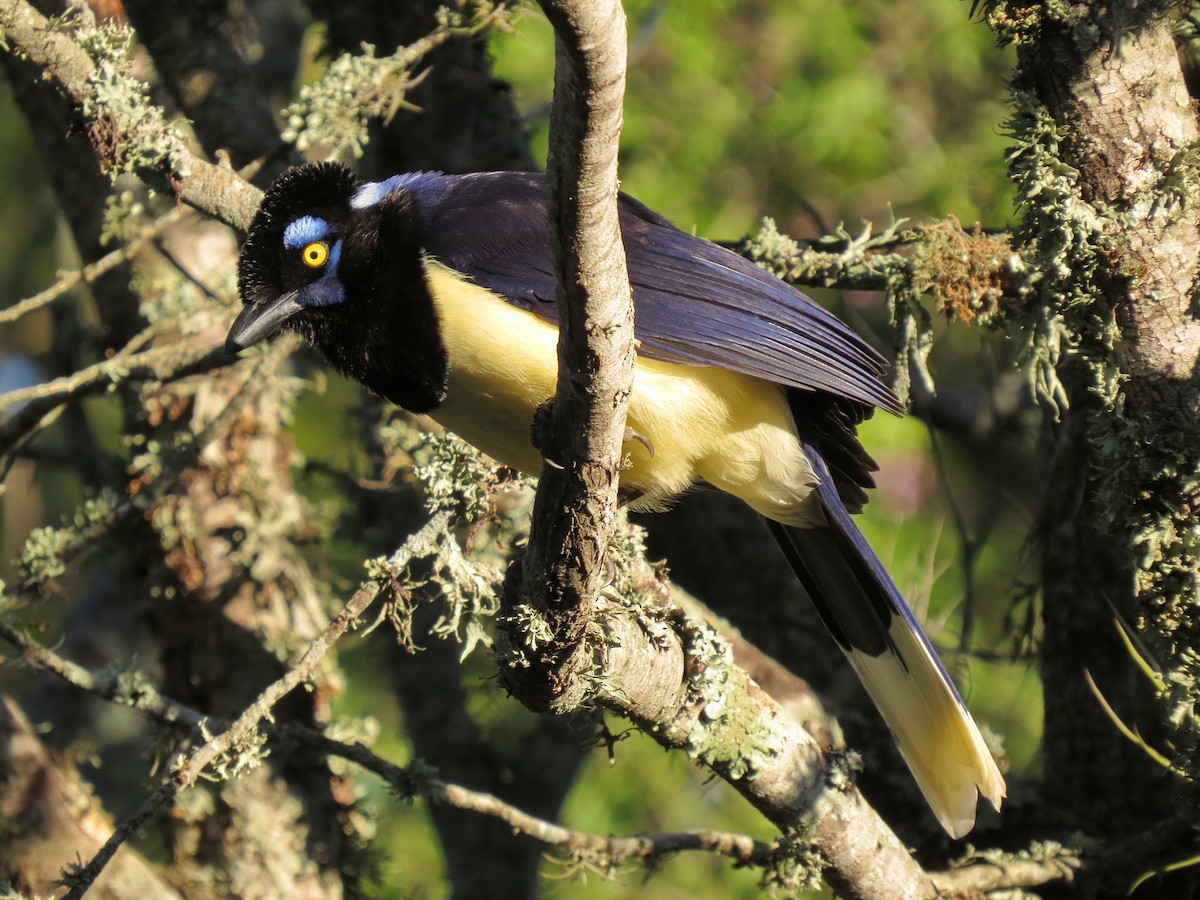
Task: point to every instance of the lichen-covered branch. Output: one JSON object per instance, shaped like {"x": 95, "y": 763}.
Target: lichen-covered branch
{"x": 970, "y": 276}
{"x": 581, "y": 433}
{"x": 1105, "y": 143}
{"x": 239, "y": 745}
{"x": 129, "y": 133}
{"x": 136, "y": 690}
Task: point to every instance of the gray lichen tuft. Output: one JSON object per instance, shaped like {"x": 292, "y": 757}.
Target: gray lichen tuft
{"x": 728, "y": 734}
{"x": 334, "y": 114}
{"x": 1065, "y": 239}
{"x": 1142, "y": 428}
{"x": 796, "y": 867}
{"x": 44, "y": 555}
{"x": 129, "y": 133}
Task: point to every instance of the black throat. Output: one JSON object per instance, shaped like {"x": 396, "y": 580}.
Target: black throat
{"x": 385, "y": 335}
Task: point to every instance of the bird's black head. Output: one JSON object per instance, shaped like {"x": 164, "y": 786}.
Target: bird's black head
{"x": 292, "y": 255}
{"x": 339, "y": 262}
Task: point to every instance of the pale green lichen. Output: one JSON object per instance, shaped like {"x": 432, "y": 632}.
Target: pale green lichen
{"x": 468, "y": 594}
{"x": 1067, "y": 241}
{"x": 626, "y": 555}
{"x": 245, "y": 755}
{"x": 729, "y": 735}
{"x": 534, "y": 630}
{"x": 130, "y": 687}
{"x": 44, "y": 554}
{"x": 130, "y": 133}
{"x": 334, "y": 114}
{"x": 436, "y": 568}
{"x": 796, "y": 867}
{"x": 1022, "y": 23}
{"x": 1068, "y": 855}
{"x": 124, "y": 218}
{"x": 913, "y": 342}
{"x": 454, "y": 474}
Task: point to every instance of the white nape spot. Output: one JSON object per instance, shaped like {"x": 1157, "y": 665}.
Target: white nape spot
{"x": 305, "y": 230}
{"x": 373, "y": 191}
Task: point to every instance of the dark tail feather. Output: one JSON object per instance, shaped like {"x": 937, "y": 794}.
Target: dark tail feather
{"x": 868, "y": 617}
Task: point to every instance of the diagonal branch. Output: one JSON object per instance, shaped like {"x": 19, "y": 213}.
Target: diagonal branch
{"x": 243, "y": 733}
{"x": 213, "y": 189}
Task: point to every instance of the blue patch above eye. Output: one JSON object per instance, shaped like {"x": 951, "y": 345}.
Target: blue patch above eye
{"x": 305, "y": 230}
{"x": 373, "y": 191}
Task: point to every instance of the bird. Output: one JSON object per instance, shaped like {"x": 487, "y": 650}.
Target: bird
{"x": 436, "y": 292}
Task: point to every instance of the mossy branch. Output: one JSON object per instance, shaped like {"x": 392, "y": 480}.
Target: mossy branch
{"x": 103, "y": 93}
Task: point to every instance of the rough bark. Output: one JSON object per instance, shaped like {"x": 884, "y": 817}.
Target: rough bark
{"x": 1111, "y": 203}
{"x": 581, "y": 432}
{"x": 51, "y": 818}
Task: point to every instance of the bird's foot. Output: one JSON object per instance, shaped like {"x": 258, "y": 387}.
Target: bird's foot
{"x": 631, "y": 435}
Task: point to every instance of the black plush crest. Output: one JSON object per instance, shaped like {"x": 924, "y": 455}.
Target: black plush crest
{"x": 312, "y": 188}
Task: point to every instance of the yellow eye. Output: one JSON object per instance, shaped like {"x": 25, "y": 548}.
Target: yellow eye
{"x": 315, "y": 254}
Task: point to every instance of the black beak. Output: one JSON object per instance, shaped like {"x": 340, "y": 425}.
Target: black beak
{"x": 259, "y": 321}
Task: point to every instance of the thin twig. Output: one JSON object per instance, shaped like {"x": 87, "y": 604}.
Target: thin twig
{"x": 102, "y": 373}
{"x": 92, "y": 271}
{"x": 187, "y": 360}
{"x": 739, "y": 847}
{"x": 193, "y": 765}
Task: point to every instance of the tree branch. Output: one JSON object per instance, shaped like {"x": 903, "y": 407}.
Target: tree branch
{"x": 581, "y": 433}
{"x": 135, "y": 690}
{"x": 212, "y": 189}
{"x": 240, "y": 738}
{"x": 672, "y": 677}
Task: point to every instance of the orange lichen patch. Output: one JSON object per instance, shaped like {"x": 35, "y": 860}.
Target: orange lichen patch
{"x": 964, "y": 270}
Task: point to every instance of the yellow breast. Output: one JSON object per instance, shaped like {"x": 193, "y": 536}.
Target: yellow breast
{"x": 706, "y": 424}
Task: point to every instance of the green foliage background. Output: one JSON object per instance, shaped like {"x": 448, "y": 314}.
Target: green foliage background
{"x": 814, "y": 113}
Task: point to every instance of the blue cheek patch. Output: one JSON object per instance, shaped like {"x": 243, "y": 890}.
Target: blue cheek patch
{"x": 305, "y": 230}
{"x": 326, "y": 290}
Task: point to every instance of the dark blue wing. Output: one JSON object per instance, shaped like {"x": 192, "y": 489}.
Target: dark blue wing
{"x": 697, "y": 303}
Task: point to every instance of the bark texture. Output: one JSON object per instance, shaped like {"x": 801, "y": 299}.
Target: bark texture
{"x": 581, "y": 432}
{"x": 1106, "y": 167}
{"x": 51, "y": 818}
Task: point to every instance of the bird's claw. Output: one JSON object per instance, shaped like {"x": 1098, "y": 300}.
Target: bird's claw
{"x": 631, "y": 435}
